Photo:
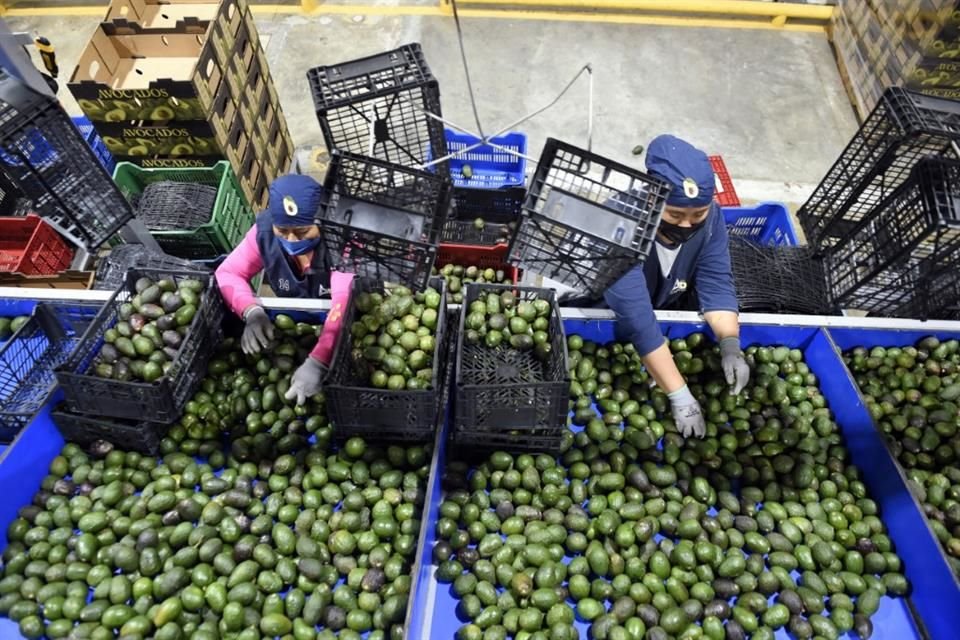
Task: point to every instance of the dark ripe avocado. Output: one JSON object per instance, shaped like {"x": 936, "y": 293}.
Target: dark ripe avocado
{"x": 521, "y": 342}
{"x": 166, "y": 322}
{"x": 172, "y": 339}
{"x": 497, "y": 322}
{"x": 170, "y": 301}
{"x": 142, "y": 284}
{"x": 109, "y": 353}
{"x": 151, "y": 311}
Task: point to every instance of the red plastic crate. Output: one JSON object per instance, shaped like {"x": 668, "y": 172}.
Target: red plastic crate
{"x": 494, "y": 257}
{"x": 726, "y": 195}
{"x": 30, "y": 246}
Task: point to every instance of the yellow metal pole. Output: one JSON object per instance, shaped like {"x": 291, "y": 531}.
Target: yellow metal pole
{"x": 749, "y": 8}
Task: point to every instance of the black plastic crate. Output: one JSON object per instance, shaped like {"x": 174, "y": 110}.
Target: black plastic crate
{"x": 112, "y": 269}
{"x": 507, "y": 398}
{"x": 793, "y": 278}
{"x": 586, "y": 219}
{"x": 46, "y": 157}
{"x": 379, "y": 105}
{"x": 919, "y": 221}
{"x": 162, "y": 400}
{"x": 382, "y": 220}
{"x": 941, "y": 296}
{"x": 498, "y": 208}
{"x": 902, "y": 129}
{"x": 133, "y": 435}
{"x": 28, "y": 358}
{"x": 356, "y": 409}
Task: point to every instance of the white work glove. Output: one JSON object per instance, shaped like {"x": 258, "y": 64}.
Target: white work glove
{"x": 687, "y": 414}
{"x": 258, "y": 332}
{"x": 307, "y": 380}
{"x": 735, "y": 367}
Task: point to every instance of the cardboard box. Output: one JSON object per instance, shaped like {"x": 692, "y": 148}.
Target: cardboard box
{"x": 178, "y": 137}
{"x": 124, "y": 78}
{"x": 224, "y": 113}
{"x": 172, "y": 162}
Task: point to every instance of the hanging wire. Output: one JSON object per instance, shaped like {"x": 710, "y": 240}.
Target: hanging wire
{"x": 483, "y": 138}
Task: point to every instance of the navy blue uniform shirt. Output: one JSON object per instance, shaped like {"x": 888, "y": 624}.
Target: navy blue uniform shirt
{"x": 703, "y": 262}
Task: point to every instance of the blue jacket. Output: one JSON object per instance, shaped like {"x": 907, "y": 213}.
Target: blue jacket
{"x": 284, "y": 280}
{"x": 703, "y": 262}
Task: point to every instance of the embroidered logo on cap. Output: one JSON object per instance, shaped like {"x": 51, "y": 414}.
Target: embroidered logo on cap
{"x": 290, "y": 206}
{"x": 690, "y": 188}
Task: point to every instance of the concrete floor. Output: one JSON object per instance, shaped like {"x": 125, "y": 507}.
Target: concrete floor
{"x": 771, "y": 103}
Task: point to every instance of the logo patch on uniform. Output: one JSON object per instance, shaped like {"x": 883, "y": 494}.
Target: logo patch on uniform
{"x": 690, "y": 188}
{"x": 679, "y": 286}
{"x": 290, "y": 206}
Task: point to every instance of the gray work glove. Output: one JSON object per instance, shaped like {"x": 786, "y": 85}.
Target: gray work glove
{"x": 687, "y": 414}
{"x": 258, "y": 333}
{"x": 735, "y": 368}
{"x": 307, "y": 380}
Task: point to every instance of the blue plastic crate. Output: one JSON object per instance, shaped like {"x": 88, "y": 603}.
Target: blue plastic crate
{"x": 96, "y": 143}
{"x": 767, "y": 224}
{"x": 34, "y": 146}
{"x": 492, "y": 168}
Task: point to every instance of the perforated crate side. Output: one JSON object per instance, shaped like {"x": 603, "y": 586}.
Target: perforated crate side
{"x": 378, "y": 106}
{"x": 161, "y": 401}
{"x": 509, "y": 394}
{"x": 903, "y": 128}
{"x": 493, "y": 205}
{"x": 920, "y": 220}
{"x": 618, "y": 208}
{"x": 380, "y": 257}
{"x": 357, "y": 409}
{"x": 47, "y": 158}
{"x": 725, "y": 194}
{"x": 112, "y": 269}
{"x": 28, "y": 358}
{"x": 414, "y": 192}
{"x": 132, "y": 435}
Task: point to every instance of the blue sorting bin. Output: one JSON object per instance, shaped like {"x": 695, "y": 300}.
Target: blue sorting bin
{"x": 768, "y": 223}
{"x": 431, "y": 614}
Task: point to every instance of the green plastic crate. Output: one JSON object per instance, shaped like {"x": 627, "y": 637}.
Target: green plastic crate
{"x": 230, "y": 221}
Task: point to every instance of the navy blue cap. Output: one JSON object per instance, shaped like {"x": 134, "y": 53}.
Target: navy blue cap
{"x": 294, "y": 200}
{"x": 685, "y": 167}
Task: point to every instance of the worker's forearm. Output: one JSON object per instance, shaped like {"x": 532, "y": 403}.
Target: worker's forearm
{"x": 663, "y": 369}
{"x": 725, "y": 324}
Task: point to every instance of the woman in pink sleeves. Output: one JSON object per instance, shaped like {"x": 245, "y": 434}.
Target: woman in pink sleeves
{"x": 285, "y": 244}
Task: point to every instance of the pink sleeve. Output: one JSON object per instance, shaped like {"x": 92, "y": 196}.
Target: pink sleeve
{"x": 234, "y": 274}
{"x": 340, "y": 284}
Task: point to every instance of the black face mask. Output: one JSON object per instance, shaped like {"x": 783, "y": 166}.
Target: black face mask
{"x": 677, "y": 234}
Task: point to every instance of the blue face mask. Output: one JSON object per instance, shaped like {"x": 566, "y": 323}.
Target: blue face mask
{"x": 298, "y": 247}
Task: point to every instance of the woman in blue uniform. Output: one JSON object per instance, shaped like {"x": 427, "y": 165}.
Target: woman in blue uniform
{"x": 690, "y": 267}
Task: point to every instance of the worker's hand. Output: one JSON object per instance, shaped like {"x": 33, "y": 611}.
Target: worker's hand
{"x": 258, "y": 333}
{"x": 306, "y": 380}
{"x": 735, "y": 367}
{"x": 687, "y": 414}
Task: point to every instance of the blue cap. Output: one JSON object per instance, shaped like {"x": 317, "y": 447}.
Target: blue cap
{"x": 685, "y": 167}
{"x": 294, "y": 200}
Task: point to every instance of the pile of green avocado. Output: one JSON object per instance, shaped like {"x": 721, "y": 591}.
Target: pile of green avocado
{"x": 394, "y": 338}
{"x": 251, "y": 525}
{"x": 498, "y": 317}
{"x": 457, "y": 276}
{"x": 144, "y": 342}
{"x": 914, "y": 395}
{"x": 9, "y": 326}
{"x": 763, "y": 524}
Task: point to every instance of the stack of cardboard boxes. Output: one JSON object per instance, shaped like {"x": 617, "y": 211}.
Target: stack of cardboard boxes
{"x": 185, "y": 83}
{"x": 909, "y": 43}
